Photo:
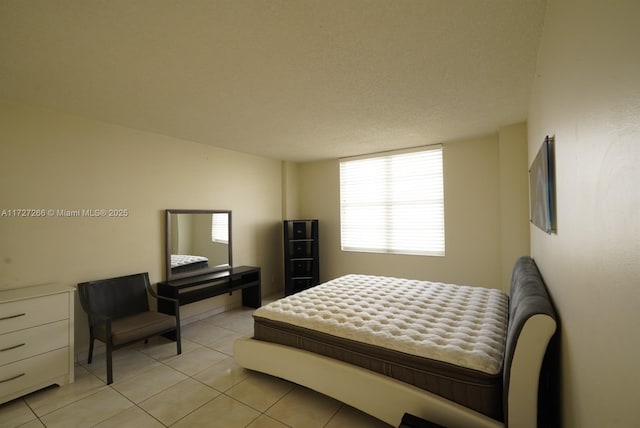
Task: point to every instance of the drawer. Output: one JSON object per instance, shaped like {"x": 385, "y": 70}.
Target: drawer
{"x": 300, "y": 230}
{"x": 26, "y": 343}
{"x": 302, "y": 267}
{"x": 21, "y": 314}
{"x": 300, "y": 248}
{"x": 33, "y": 371}
{"x": 301, "y": 284}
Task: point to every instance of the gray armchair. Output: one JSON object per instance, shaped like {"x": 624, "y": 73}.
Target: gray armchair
{"x": 119, "y": 315}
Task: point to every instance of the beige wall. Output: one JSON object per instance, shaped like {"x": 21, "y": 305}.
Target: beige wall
{"x": 290, "y": 190}
{"x": 56, "y": 161}
{"x": 514, "y": 197}
{"x": 587, "y": 94}
{"x": 474, "y": 247}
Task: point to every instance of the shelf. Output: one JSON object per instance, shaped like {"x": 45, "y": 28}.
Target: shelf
{"x": 200, "y": 287}
{"x": 301, "y": 255}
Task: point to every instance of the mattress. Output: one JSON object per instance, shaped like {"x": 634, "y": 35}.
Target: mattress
{"x": 443, "y": 338}
{"x": 186, "y": 259}
{"x": 186, "y": 262}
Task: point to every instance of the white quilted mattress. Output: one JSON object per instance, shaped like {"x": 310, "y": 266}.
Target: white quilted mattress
{"x": 186, "y": 259}
{"x": 462, "y": 325}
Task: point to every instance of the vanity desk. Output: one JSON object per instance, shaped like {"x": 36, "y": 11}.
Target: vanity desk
{"x": 199, "y": 261}
{"x": 199, "y": 287}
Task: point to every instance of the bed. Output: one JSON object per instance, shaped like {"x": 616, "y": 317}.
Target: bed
{"x": 186, "y": 263}
{"x": 454, "y": 355}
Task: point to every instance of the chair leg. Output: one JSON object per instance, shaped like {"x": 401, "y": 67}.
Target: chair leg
{"x": 90, "y": 350}
{"x": 178, "y": 340}
{"x": 109, "y": 364}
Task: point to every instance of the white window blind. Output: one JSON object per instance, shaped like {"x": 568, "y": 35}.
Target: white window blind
{"x": 220, "y": 227}
{"x": 393, "y": 203}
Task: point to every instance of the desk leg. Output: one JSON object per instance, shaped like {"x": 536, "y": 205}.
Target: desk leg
{"x": 167, "y": 307}
{"x": 252, "y": 297}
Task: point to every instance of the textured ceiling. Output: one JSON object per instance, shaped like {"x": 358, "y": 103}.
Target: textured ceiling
{"x": 296, "y": 80}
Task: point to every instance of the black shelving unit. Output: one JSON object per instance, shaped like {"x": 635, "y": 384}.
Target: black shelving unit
{"x": 301, "y": 258}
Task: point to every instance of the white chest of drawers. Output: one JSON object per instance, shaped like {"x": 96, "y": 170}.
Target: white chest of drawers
{"x": 36, "y": 339}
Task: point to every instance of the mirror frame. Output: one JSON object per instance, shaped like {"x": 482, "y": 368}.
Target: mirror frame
{"x": 170, "y": 276}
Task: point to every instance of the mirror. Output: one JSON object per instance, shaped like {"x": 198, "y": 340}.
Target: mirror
{"x": 198, "y": 242}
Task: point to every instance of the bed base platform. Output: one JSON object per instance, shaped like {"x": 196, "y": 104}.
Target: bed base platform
{"x": 377, "y": 395}
{"x": 531, "y": 325}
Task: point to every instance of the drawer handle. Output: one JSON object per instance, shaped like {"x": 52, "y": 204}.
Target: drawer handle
{"x": 12, "y": 378}
{"x": 12, "y": 347}
{"x": 13, "y": 316}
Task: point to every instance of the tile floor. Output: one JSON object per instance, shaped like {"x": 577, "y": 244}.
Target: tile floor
{"x": 203, "y": 387}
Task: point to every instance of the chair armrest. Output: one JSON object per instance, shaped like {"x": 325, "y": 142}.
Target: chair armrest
{"x": 168, "y": 299}
{"x": 155, "y": 295}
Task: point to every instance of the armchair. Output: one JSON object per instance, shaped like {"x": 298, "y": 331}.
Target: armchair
{"x": 119, "y": 315}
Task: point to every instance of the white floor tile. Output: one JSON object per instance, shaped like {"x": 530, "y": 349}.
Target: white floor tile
{"x": 222, "y": 375}
{"x": 153, "y": 387}
{"x": 132, "y": 417}
{"x": 88, "y": 411}
{"x": 177, "y": 402}
{"x": 149, "y": 383}
{"x": 196, "y": 361}
{"x": 222, "y": 412}
{"x": 348, "y": 417}
{"x": 303, "y": 408}
{"x": 260, "y": 391}
{"x": 15, "y": 413}
{"x": 50, "y": 399}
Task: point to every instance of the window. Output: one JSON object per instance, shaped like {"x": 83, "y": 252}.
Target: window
{"x": 220, "y": 228}
{"x": 393, "y": 203}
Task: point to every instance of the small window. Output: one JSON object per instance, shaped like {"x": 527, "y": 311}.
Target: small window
{"x": 220, "y": 228}
{"x": 393, "y": 203}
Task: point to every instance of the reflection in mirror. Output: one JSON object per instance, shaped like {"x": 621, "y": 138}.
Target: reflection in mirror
{"x": 198, "y": 242}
